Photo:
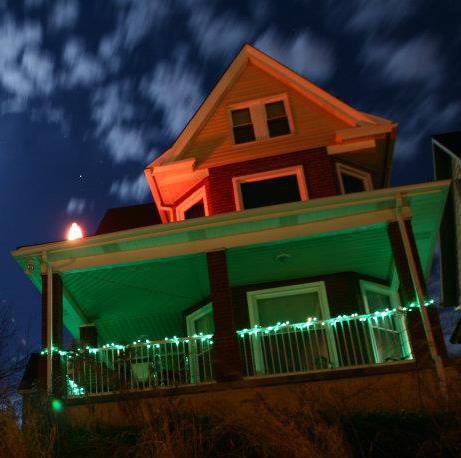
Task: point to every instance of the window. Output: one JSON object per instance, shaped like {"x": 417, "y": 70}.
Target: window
{"x": 261, "y": 119}
{"x": 199, "y": 322}
{"x": 243, "y": 126}
{"x": 353, "y": 180}
{"x": 194, "y": 206}
{"x": 277, "y": 119}
{"x": 270, "y": 188}
{"x": 295, "y": 304}
{"x": 389, "y": 339}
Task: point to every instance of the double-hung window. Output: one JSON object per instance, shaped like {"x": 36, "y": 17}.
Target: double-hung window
{"x": 261, "y": 119}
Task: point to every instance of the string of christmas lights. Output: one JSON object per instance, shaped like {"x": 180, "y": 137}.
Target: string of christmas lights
{"x": 310, "y": 322}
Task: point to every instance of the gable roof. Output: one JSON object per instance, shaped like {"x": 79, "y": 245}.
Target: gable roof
{"x": 123, "y": 218}
{"x": 248, "y": 53}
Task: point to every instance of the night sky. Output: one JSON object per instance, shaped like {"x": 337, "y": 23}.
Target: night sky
{"x": 91, "y": 91}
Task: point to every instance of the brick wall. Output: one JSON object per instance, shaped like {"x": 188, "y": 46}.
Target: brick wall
{"x": 318, "y": 167}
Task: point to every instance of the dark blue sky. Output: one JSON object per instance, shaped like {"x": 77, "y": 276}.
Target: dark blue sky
{"x": 91, "y": 91}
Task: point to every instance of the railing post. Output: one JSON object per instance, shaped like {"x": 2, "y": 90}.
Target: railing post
{"x": 226, "y": 351}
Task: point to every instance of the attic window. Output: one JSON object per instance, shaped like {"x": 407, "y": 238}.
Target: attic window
{"x": 261, "y": 119}
{"x": 270, "y": 188}
{"x": 277, "y": 119}
{"x": 352, "y": 179}
{"x": 243, "y": 126}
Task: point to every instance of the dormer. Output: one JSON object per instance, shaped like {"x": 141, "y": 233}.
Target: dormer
{"x": 266, "y": 136}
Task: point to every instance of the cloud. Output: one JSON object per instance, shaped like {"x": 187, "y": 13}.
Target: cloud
{"x": 81, "y": 67}
{"x": 304, "y": 53}
{"x": 114, "y": 113}
{"x": 219, "y": 36}
{"x": 130, "y": 190}
{"x": 414, "y": 61}
{"x": 111, "y": 105}
{"x": 125, "y": 143}
{"x": 64, "y": 14}
{"x": 369, "y": 15}
{"x": 176, "y": 89}
{"x": 76, "y": 206}
{"x": 135, "y": 20}
{"x": 27, "y": 70}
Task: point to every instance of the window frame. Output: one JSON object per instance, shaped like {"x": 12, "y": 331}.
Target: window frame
{"x": 258, "y": 117}
{"x": 195, "y": 315}
{"x": 283, "y": 291}
{"x": 252, "y": 301}
{"x": 354, "y": 172}
{"x": 297, "y": 170}
{"x": 366, "y": 285}
{"x": 191, "y": 200}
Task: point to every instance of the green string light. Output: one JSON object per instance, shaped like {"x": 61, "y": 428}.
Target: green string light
{"x": 310, "y": 322}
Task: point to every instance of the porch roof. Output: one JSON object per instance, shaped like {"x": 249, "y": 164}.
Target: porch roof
{"x": 132, "y": 281}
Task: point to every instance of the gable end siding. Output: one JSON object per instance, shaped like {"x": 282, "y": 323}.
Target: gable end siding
{"x": 317, "y": 165}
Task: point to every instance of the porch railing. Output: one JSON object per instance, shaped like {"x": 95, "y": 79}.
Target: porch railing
{"x": 341, "y": 342}
{"x": 345, "y": 341}
{"x": 139, "y": 366}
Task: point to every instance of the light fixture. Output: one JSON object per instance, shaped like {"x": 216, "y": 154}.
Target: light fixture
{"x": 74, "y": 232}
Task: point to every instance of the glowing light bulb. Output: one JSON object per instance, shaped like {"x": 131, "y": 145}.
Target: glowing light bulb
{"x": 75, "y": 232}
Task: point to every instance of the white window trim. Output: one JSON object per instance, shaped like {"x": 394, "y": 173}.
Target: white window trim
{"x": 260, "y": 176}
{"x": 352, "y": 171}
{"x": 195, "y": 197}
{"x": 196, "y": 315}
{"x": 380, "y": 289}
{"x": 259, "y": 119}
{"x": 392, "y": 292}
{"x": 191, "y": 331}
{"x": 283, "y": 291}
{"x": 252, "y": 300}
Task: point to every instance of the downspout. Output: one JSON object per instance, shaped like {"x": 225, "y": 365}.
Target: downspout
{"x": 439, "y": 366}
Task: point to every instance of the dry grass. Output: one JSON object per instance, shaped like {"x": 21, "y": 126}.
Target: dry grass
{"x": 251, "y": 429}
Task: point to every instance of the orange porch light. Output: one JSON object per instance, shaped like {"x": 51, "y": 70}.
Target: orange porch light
{"x": 74, "y": 232}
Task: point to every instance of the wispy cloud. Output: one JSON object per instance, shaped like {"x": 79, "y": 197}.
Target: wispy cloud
{"x": 305, "y": 53}
{"x": 135, "y": 20}
{"x": 417, "y": 60}
{"x": 76, "y": 206}
{"x": 64, "y": 14}
{"x": 371, "y": 15}
{"x": 81, "y": 68}
{"x": 114, "y": 115}
{"x": 175, "y": 87}
{"x": 219, "y": 36}
{"x": 130, "y": 190}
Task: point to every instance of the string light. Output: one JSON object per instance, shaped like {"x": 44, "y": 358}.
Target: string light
{"x": 310, "y": 322}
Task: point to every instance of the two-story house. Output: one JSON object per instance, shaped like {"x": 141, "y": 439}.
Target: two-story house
{"x": 275, "y": 247}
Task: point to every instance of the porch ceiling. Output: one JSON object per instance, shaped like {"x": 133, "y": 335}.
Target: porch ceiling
{"x": 135, "y": 282}
{"x": 143, "y": 299}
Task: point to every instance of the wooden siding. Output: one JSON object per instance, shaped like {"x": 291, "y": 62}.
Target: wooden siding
{"x": 318, "y": 168}
{"x": 213, "y": 145}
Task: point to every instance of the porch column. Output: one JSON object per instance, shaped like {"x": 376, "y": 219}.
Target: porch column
{"x": 226, "y": 352}
{"x": 424, "y": 327}
{"x": 51, "y": 370}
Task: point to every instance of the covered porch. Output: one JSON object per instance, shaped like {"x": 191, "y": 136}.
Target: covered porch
{"x": 323, "y": 285}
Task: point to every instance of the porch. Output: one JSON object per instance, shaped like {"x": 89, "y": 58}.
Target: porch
{"x": 309, "y": 287}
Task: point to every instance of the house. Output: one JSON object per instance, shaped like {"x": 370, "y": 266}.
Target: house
{"x": 446, "y": 149}
{"x": 276, "y": 253}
